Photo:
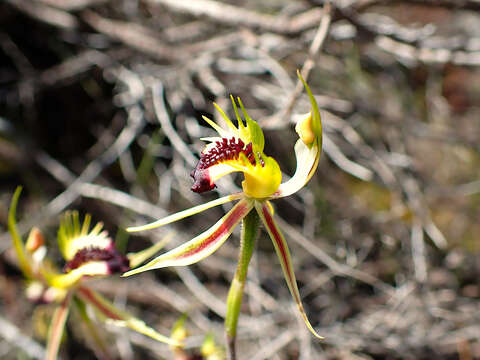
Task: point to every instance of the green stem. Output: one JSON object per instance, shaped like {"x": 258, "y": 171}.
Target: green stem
{"x": 99, "y": 346}
{"x": 234, "y": 300}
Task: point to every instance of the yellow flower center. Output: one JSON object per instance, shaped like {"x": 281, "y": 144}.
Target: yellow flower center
{"x": 262, "y": 181}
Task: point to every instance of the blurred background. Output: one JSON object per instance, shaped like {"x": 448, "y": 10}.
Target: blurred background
{"x": 100, "y": 111}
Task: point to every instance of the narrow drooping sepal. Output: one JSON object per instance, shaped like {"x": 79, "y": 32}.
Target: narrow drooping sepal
{"x": 110, "y": 312}
{"x": 283, "y": 254}
{"x": 203, "y": 245}
{"x": 57, "y": 327}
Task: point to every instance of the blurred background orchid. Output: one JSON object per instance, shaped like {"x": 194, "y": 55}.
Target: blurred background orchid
{"x": 89, "y": 253}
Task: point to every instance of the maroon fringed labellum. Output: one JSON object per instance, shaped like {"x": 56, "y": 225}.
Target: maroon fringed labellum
{"x": 116, "y": 262}
{"x": 224, "y": 150}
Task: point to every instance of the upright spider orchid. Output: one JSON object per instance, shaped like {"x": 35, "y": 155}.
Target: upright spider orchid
{"x": 240, "y": 149}
{"x": 88, "y": 254}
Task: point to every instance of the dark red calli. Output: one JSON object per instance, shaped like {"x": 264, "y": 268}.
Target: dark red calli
{"x": 116, "y": 262}
{"x": 224, "y": 150}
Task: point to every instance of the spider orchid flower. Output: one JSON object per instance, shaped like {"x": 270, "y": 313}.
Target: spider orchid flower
{"x": 240, "y": 149}
{"x": 88, "y": 254}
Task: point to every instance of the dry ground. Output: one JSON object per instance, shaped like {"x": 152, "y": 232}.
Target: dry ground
{"x": 100, "y": 111}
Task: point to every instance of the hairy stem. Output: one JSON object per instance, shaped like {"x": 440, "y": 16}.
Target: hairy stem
{"x": 234, "y": 301}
